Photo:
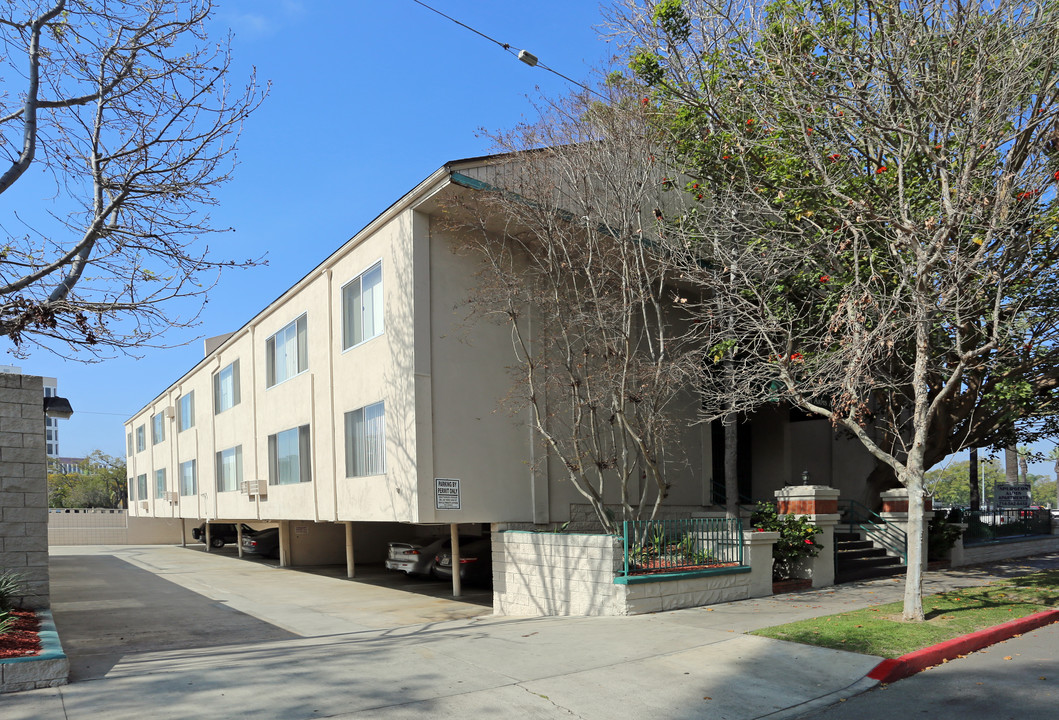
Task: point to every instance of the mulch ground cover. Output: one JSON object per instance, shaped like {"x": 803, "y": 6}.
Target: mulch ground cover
{"x": 22, "y": 639}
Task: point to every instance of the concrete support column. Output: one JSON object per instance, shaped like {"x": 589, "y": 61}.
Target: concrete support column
{"x": 284, "y": 543}
{"x": 757, "y": 549}
{"x": 454, "y": 534}
{"x": 820, "y": 504}
{"x": 895, "y": 513}
{"x": 207, "y": 538}
{"x": 239, "y": 537}
{"x": 350, "y": 571}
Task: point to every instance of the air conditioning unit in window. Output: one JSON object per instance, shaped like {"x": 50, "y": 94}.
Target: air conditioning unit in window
{"x": 144, "y": 505}
{"x": 170, "y": 412}
{"x": 255, "y": 487}
{"x": 173, "y": 497}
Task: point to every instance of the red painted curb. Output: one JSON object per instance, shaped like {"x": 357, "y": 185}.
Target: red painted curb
{"x": 890, "y": 670}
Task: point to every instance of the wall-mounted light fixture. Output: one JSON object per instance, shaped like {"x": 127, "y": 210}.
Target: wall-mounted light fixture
{"x": 57, "y": 407}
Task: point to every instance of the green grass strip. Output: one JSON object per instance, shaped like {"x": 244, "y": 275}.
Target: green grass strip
{"x": 879, "y": 630}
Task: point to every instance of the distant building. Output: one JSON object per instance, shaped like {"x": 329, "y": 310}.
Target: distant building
{"x": 67, "y": 465}
{"x": 51, "y": 425}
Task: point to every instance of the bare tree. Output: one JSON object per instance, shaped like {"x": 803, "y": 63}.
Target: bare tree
{"x": 569, "y": 239}
{"x": 125, "y": 107}
{"x": 880, "y": 184}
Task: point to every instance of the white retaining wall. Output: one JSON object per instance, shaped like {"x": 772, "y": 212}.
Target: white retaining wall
{"x": 99, "y": 526}
{"x": 1005, "y": 550}
{"x": 537, "y": 574}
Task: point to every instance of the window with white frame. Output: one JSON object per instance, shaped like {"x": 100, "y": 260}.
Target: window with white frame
{"x": 188, "y": 484}
{"x": 141, "y": 486}
{"x": 159, "y": 484}
{"x": 287, "y": 352}
{"x": 130, "y": 483}
{"x": 226, "y": 388}
{"x": 230, "y": 469}
{"x": 128, "y": 444}
{"x": 289, "y": 455}
{"x": 362, "y": 307}
{"x": 141, "y": 438}
{"x": 157, "y": 428}
{"x": 366, "y": 441}
{"x": 186, "y": 411}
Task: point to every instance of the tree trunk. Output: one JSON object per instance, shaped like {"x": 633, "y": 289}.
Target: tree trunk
{"x": 731, "y": 466}
{"x": 972, "y": 479}
{"x": 913, "y": 600}
{"x": 1011, "y": 465}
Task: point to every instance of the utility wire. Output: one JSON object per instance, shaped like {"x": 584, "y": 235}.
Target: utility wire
{"x": 523, "y": 55}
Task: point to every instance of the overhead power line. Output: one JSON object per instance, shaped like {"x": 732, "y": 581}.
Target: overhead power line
{"x": 524, "y": 55}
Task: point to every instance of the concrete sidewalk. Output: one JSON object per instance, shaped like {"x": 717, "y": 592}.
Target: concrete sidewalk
{"x": 331, "y": 648}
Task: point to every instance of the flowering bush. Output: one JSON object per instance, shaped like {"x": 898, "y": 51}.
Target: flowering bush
{"x": 797, "y": 538}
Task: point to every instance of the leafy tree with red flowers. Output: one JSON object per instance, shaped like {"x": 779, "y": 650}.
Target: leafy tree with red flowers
{"x": 879, "y": 189}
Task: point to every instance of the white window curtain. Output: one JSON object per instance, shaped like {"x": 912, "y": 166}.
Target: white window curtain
{"x": 187, "y": 478}
{"x": 366, "y": 441}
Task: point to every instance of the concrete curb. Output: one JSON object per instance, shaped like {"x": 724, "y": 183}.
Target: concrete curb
{"x": 50, "y": 668}
{"x": 894, "y": 669}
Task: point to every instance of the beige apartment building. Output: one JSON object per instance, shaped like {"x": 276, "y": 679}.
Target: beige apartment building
{"x": 345, "y": 409}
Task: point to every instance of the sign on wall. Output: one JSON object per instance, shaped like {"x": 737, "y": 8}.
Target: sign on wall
{"x": 446, "y": 494}
{"x": 1013, "y": 495}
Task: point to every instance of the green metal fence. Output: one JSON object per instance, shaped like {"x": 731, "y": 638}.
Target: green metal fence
{"x": 987, "y": 526}
{"x": 685, "y": 545}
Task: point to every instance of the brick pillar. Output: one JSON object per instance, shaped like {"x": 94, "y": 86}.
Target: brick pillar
{"x": 820, "y": 503}
{"x": 24, "y": 485}
{"x": 895, "y": 512}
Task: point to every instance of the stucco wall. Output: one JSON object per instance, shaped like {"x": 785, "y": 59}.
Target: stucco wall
{"x": 96, "y": 526}
{"x": 24, "y": 486}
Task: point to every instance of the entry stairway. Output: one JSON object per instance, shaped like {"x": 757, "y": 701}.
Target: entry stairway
{"x": 858, "y": 559}
{"x": 866, "y": 547}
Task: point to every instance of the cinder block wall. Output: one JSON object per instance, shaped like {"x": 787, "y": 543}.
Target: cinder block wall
{"x": 24, "y": 485}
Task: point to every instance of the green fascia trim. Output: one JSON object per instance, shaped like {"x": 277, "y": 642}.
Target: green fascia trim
{"x": 470, "y": 182}
{"x": 667, "y": 577}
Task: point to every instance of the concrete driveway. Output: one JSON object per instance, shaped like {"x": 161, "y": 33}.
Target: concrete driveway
{"x": 174, "y": 633}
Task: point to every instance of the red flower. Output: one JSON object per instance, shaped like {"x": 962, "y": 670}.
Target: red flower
{"x": 750, "y": 121}
{"x": 809, "y": 131}
{"x": 824, "y": 278}
{"x": 1056, "y": 176}
{"x": 808, "y": 541}
{"x": 644, "y": 101}
{"x": 726, "y": 157}
{"x": 880, "y": 170}
{"x": 699, "y": 196}
{"x": 796, "y": 357}
{"x": 835, "y": 157}
{"x": 695, "y": 186}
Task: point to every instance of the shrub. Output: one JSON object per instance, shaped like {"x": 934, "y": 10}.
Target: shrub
{"x": 797, "y": 538}
{"x": 11, "y": 587}
{"x": 941, "y": 536}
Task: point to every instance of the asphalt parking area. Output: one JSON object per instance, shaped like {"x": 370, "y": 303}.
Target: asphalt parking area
{"x": 106, "y": 608}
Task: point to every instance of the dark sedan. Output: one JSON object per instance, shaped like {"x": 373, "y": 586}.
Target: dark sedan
{"x": 476, "y": 562}
{"x": 220, "y": 533}
{"x": 264, "y": 543}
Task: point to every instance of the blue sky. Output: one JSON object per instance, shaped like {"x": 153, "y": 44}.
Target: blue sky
{"x": 367, "y": 99}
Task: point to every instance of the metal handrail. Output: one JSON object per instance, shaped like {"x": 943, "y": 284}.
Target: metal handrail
{"x": 875, "y": 528}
